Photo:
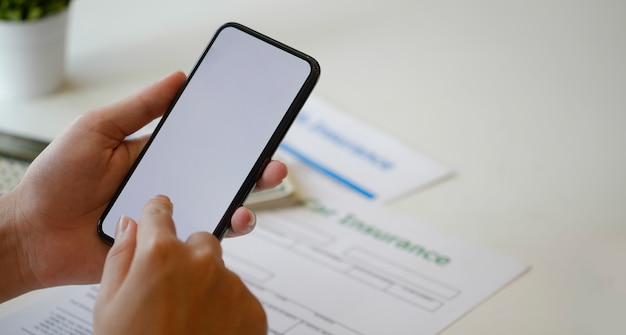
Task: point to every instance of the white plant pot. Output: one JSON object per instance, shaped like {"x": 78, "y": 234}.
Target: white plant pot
{"x": 32, "y": 56}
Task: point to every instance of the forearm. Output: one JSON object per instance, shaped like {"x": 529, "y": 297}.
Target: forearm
{"x": 15, "y": 275}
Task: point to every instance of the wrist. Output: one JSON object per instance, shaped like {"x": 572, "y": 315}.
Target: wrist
{"x": 16, "y": 275}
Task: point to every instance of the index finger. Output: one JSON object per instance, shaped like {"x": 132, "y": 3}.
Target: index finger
{"x": 156, "y": 219}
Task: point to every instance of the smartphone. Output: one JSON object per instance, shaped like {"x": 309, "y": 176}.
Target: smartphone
{"x": 211, "y": 146}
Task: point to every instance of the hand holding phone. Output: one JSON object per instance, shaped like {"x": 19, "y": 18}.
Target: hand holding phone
{"x": 209, "y": 149}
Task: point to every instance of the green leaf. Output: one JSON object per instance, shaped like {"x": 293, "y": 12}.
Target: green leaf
{"x": 34, "y": 13}
{"x": 30, "y": 9}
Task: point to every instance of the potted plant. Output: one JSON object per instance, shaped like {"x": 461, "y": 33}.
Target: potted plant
{"x": 32, "y": 47}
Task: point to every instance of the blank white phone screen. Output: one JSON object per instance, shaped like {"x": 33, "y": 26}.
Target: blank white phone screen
{"x": 215, "y": 132}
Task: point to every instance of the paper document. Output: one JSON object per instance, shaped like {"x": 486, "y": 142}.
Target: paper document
{"x": 340, "y": 269}
{"x": 357, "y": 156}
{"x": 328, "y": 268}
{"x": 66, "y": 310}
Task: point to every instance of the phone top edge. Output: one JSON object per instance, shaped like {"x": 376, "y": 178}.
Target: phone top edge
{"x": 313, "y": 63}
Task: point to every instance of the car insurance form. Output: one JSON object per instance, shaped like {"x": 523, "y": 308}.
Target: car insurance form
{"x": 327, "y": 268}
{"x": 335, "y": 263}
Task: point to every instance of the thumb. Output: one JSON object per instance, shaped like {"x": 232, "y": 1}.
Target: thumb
{"x": 120, "y": 257}
{"x": 134, "y": 112}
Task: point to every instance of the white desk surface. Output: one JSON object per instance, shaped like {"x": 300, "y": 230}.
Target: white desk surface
{"x": 525, "y": 100}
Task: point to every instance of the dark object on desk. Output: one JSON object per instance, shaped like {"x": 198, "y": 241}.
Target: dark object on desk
{"x": 16, "y": 154}
{"x": 19, "y": 147}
